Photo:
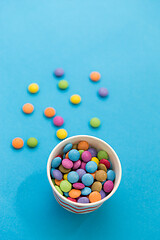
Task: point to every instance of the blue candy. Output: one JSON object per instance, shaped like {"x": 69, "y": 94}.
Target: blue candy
{"x": 86, "y": 191}
{"x": 74, "y": 155}
{"x": 110, "y": 175}
{"x": 68, "y": 147}
{"x": 56, "y": 162}
{"x": 66, "y": 194}
{"x": 87, "y": 179}
{"x": 91, "y": 167}
{"x": 103, "y": 182}
{"x": 73, "y": 177}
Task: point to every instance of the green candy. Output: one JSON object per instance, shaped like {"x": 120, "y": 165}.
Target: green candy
{"x": 53, "y": 181}
{"x": 63, "y": 84}
{"x": 59, "y": 190}
{"x": 65, "y": 186}
{"x": 81, "y": 151}
{"x": 102, "y": 155}
{"x": 95, "y": 122}
{"x": 32, "y": 142}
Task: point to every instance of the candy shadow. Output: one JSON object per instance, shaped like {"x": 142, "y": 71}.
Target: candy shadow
{"x": 37, "y": 207}
{"x": 102, "y": 98}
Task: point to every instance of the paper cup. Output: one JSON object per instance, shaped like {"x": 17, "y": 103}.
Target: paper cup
{"x": 99, "y": 145}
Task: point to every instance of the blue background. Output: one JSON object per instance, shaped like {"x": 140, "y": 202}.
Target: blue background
{"x": 121, "y": 40}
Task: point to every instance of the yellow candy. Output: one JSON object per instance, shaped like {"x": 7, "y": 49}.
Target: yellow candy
{"x": 65, "y": 176}
{"x": 33, "y": 88}
{"x": 96, "y": 160}
{"x": 61, "y": 133}
{"x": 75, "y": 99}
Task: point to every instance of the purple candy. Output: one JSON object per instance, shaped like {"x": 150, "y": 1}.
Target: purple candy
{"x": 108, "y": 186}
{"x": 59, "y": 72}
{"x": 83, "y": 200}
{"x": 103, "y": 92}
{"x": 57, "y": 174}
{"x": 67, "y": 163}
{"x": 83, "y": 165}
{"x": 93, "y": 152}
{"x": 86, "y": 156}
{"x": 103, "y": 194}
{"x": 81, "y": 172}
{"x": 78, "y": 185}
{"x": 76, "y": 164}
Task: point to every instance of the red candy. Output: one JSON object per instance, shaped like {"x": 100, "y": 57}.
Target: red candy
{"x": 59, "y": 156}
{"x": 105, "y": 162}
{"x": 72, "y": 199}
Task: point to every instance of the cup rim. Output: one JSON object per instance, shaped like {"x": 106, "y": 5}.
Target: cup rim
{"x": 83, "y": 204}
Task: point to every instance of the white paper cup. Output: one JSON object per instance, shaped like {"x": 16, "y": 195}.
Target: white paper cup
{"x": 99, "y": 145}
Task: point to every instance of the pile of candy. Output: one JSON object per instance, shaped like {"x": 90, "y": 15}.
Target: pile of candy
{"x": 82, "y": 174}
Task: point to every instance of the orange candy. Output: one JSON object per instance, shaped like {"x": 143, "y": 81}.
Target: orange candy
{"x": 67, "y": 155}
{"x": 83, "y": 145}
{"x": 28, "y": 108}
{"x": 57, "y": 182}
{"x": 94, "y": 196}
{"x": 95, "y": 76}
{"x": 49, "y": 112}
{"x": 74, "y": 193}
{"x": 17, "y": 143}
{"x": 93, "y": 174}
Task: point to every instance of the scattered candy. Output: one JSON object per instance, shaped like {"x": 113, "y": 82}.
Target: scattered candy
{"x": 17, "y": 143}
{"x": 61, "y": 133}
{"x": 81, "y": 175}
{"x": 59, "y": 72}
{"x": 28, "y": 108}
{"x": 63, "y": 84}
{"x": 95, "y": 122}
{"x": 49, "y": 112}
{"x": 32, "y": 142}
{"x": 58, "y": 121}
{"x": 75, "y": 99}
{"x": 103, "y": 92}
{"x": 95, "y": 76}
{"x": 33, "y": 88}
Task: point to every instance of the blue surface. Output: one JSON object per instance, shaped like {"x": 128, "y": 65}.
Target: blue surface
{"x": 120, "y": 39}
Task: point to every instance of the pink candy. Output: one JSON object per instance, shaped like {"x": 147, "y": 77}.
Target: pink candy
{"x": 78, "y": 185}
{"x": 108, "y": 186}
{"x": 83, "y": 165}
{"x": 58, "y": 121}
{"x": 86, "y": 156}
{"x": 76, "y": 165}
{"x": 67, "y": 163}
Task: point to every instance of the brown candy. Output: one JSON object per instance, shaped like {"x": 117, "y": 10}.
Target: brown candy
{"x": 102, "y": 167}
{"x": 75, "y": 146}
{"x": 63, "y": 169}
{"x": 96, "y": 186}
{"x": 100, "y": 175}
